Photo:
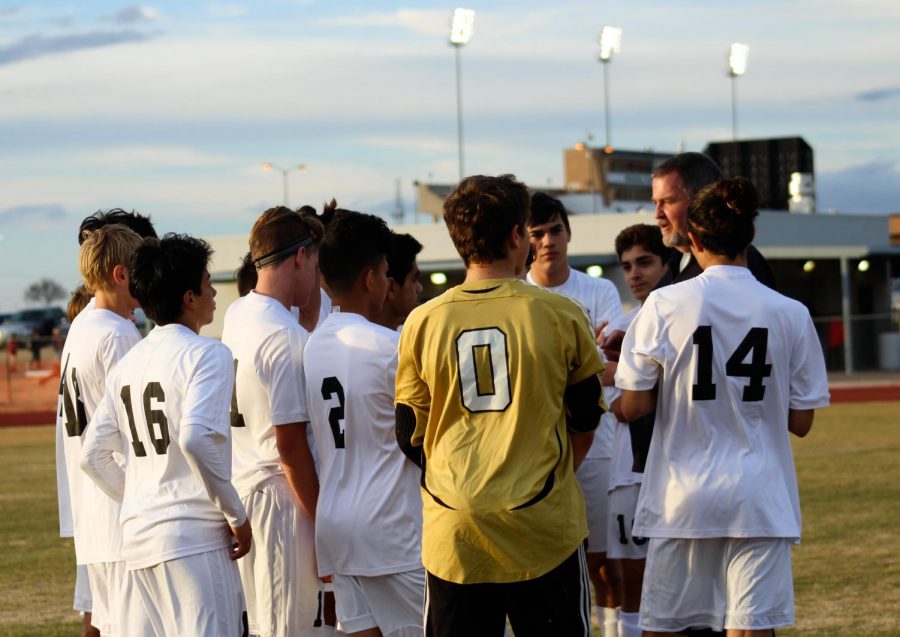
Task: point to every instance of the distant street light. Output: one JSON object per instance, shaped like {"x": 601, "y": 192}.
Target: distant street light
{"x": 610, "y": 43}
{"x": 284, "y": 173}
{"x": 461, "y": 30}
{"x": 737, "y": 64}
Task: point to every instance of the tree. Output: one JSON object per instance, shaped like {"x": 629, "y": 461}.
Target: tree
{"x": 45, "y": 291}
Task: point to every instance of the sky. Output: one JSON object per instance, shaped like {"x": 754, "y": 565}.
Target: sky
{"x": 170, "y": 108}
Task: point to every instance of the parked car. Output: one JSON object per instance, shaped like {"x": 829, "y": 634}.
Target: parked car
{"x": 24, "y": 323}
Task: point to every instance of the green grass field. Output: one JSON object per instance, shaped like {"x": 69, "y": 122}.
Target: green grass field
{"x": 847, "y": 571}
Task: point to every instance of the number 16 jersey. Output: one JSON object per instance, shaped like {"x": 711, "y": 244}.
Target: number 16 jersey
{"x": 732, "y": 357}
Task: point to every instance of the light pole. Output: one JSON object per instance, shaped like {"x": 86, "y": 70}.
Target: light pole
{"x": 460, "y": 33}
{"x": 737, "y": 65}
{"x": 610, "y": 43}
{"x": 267, "y": 166}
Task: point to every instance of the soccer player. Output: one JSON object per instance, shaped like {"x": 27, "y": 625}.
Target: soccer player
{"x": 498, "y": 395}
{"x": 643, "y": 258}
{"x": 274, "y": 471}
{"x": 99, "y": 336}
{"x": 142, "y": 225}
{"x": 548, "y": 228}
{"x": 369, "y": 514}
{"x": 404, "y": 287}
{"x": 166, "y": 411}
{"x": 737, "y": 368}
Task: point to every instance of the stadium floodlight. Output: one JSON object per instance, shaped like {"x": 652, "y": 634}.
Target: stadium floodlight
{"x": 737, "y": 65}
{"x": 438, "y": 278}
{"x": 461, "y": 28}
{"x": 610, "y": 42}
{"x": 267, "y": 166}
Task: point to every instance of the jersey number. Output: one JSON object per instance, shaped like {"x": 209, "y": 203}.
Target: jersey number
{"x": 72, "y": 405}
{"x": 332, "y": 387}
{"x": 755, "y": 344}
{"x": 153, "y": 391}
{"x": 481, "y": 357}
{"x": 623, "y": 536}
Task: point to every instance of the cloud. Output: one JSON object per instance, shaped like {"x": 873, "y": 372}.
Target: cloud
{"x": 8, "y": 12}
{"x": 35, "y": 46}
{"x": 31, "y": 215}
{"x": 430, "y": 22}
{"x": 134, "y": 14}
{"x": 152, "y": 156}
{"x": 873, "y": 187}
{"x": 878, "y": 94}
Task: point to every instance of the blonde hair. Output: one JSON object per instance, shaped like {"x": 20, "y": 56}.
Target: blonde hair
{"x": 102, "y": 250}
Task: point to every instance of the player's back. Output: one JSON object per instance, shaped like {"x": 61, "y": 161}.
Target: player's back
{"x": 267, "y": 343}
{"x": 730, "y": 350}
{"x": 489, "y": 362}
{"x": 369, "y": 515}
{"x": 96, "y": 341}
{"x": 171, "y": 379}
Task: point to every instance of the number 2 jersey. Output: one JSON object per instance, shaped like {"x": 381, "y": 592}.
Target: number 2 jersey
{"x": 732, "y": 357}
{"x": 369, "y": 514}
{"x": 97, "y": 340}
{"x": 484, "y": 367}
{"x": 171, "y": 379}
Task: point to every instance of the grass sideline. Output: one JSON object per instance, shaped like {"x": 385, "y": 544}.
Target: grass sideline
{"x": 846, "y": 571}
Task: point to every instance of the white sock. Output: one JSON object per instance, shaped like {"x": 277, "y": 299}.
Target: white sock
{"x": 608, "y": 619}
{"x": 628, "y": 624}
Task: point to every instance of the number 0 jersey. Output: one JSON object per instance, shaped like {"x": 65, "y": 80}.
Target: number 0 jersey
{"x": 171, "y": 379}
{"x": 732, "y": 357}
{"x": 484, "y": 367}
{"x": 369, "y": 515}
{"x": 96, "y": 341}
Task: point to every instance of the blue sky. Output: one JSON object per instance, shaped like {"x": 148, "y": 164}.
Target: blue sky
{"x": 171, "y": 107}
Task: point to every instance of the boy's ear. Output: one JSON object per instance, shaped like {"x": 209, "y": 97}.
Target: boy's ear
{"x": 120, "y": 275}
{"x": 188, "y": 300}
{"x": 392, "y": 288}
{"x": 696, "y": 243}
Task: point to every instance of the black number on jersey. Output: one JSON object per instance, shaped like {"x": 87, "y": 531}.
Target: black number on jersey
{"x": 623, "y": 535}
{"x": 237, "y": 418}
{"x": 331, "y": 387}
{"x": 72, "y": 406}
{"x": 152, "y": 417}
{"x": 755, "y": 344}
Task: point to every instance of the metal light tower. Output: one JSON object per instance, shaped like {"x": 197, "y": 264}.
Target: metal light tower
{"x": 460, "y": 33}
{"x": 737, "y": 65}
{"x": 284, "y": 173}
{"x": 610, "y": 43}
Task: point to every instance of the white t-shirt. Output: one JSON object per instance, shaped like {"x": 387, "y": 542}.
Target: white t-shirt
{"x": 97, "y": 340}
{"x": 621, "y": 474}
{"x": 369, "y": 514}
{"x": 267, "y": 343}
{"x": 732, "y": 357}
{"x": 171, "y": 379}
{"x": 600, "y": 299}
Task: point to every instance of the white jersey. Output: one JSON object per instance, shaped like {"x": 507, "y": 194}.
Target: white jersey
{"x": 600, "y": 300}
{"x": 97, "y": 340}
{"x": 369, "y": 514}
{"x": 171, "y": 379}
{"x": 622, "y": 456}
{"x": 267, "y": 343}
{"x": 732, "y": 357}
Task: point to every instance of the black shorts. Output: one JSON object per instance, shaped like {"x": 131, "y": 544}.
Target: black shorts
{"x": 557, "y": 603}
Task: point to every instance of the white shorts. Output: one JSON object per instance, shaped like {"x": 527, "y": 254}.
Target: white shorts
{"x": 593, "y": 477}
{"x": 394, "y": 603}
{"x": 622, "y": 545}
{"x": 198, "y": 595}
{"x": 719, "y": 583}
{"x": 279, "y": 575}
{"x": 111, "y": 591}
{"x": 82, "y": 602}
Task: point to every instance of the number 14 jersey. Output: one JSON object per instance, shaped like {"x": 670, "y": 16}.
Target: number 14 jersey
{"x": 731, "y": 357}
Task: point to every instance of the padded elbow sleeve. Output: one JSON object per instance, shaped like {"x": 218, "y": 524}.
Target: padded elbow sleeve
{"x": 583, "y": 408}
{"x": 405, "y": 421}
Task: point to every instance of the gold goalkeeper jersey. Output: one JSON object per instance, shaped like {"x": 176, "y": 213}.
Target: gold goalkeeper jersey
{"x": 484, "y": 367}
